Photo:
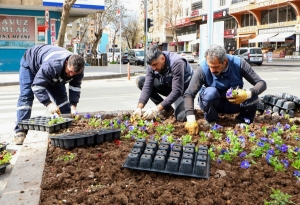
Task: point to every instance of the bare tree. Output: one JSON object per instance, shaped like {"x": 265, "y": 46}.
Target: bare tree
{"x": 64, "y": 21}
{"x": 172, "y": 13}
{"x": 132, "y": 31}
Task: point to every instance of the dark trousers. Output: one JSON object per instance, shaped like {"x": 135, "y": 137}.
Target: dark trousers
{"x": 212, "y": 103}
{"x": 160, "y": 89}
{"x": 26, "y": 97}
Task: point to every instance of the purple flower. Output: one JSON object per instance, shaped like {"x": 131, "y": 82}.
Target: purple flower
{"x": 268, "y": 112}
{"x": 271, "y": 152}
{"x": 271, "y": 141}
{"x": 87, "y": 116}
{"x": 268, "y": 156}
{"x": 133, "y": 137}
{"x": 229, "y": 93}
{"x": 279, "y": 124}
{"x": 241, "y": 139}
{"x": 119, "y": 122}
{"x": 245, "y": 164}
{"x": 252, "y": 134}
{"x": 228, "y": 140}
{"x": 296, "y": 149}
{"x": 131, "y": 128}
{"x": 247, "y": 121}
{"x": 269, "y": 132}
{"x": 152, "y": 137}
{"x": 264, "y": 139}
{"x": 143, "y": 128}
{"x": 285, "y": 162}
{"x": 260, "y": 144}
{"x": 284, "y": 148}
{"x": 126, "y": 123}
{"x": 223, "y": 151}
{"x": 219, "y": 160}
{"x": 275, "y": 129}
{"x": 171, "y": 145}
{"x": 98, "y": 116}
{"x": 216, "y": 127}
{"x": 297, "y": 138}
{"x": 296, "y": 173}
{"x": 164, "y": 137}
{"x": 111, "y": 124}
{"x": 243, "y": 154}
{"x": 287, "y": 126}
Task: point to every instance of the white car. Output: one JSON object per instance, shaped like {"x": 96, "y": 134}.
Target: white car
{"x": 109, "y": 56}
{"x": 187, "y": 55}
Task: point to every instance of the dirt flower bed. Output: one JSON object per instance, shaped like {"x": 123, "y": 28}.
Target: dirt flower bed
{"x": 250, "y": 164}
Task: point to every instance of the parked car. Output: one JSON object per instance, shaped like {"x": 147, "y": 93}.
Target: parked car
{"x": 250, "y": 54}
{"x": 109, "y": 56}
{"x": 136, "y": 56}
{"x": 187, "y": 55}
{"x": 124, "y": 58}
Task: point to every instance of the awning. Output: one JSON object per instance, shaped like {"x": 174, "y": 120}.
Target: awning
{"x": 281, "y": 37}
{"x": 229, "y": 36}
{"x": 242, "y": 36}
{"x": 195, "y": 41}
{"x": 262, "y": 37}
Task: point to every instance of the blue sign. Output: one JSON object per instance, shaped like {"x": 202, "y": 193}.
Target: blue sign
{"x": 82, "y": 4}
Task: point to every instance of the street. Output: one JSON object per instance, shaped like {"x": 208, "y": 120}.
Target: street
{"x": 121, "y": 94}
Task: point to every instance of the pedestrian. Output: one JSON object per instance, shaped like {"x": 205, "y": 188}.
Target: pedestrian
{"x": 44, "y": 71}
{"x": 215, "y": 75}
{"x": 167, "y": 74}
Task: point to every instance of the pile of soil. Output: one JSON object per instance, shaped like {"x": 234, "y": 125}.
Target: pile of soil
{"x": 95, "y": 174}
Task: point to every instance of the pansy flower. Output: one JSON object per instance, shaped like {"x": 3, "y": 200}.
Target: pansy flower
{"x": 287, "y": 126}
{"x": 228, "y": 140}
{"x": 296, "y": 173}
{"x": 296, "y": 149}
{"x": 87, "y": 116}
{"x": 223, "y": 151}
{"x": 243, "y": 154}
{"x": 284, "y": 148}
{"x": 143, "y": 128}
{"x": 126, "y": 123}
{"x": 260, "y": 144}
{"x": 245, "y": 164}
{"x": 264, "y": 139}
{"x": 164, "y": 137}
{"x": 241, "y": 139}
{"x": 268, "y": 112}
{"x": 219, "y": 160}
{"x": 285, "y": 162}
{"x": 131, "y": 128}
{"x": 98, "y": 116}
{"x": 247, "y": 121}
{"x": 271, "y": 151}
{"x": 252, "y": 134}
{"x": 271, "y": 141}
{"x": 268, "y": 156}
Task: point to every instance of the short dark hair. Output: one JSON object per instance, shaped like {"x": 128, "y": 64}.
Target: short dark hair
{"x": 77, "y": 62}
{"x": 153, "y": 53}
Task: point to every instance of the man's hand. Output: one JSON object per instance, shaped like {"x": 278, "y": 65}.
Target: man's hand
{"x": 150, "y": 113}
{"x": 53, "y": 108}
{"x": 73, "y": 111}
{"x": 137, "y": 114}
{"x": 240, "y": 97}
{"x": 191, "y": 125}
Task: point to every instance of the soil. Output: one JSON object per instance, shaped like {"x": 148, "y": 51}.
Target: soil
{"x": 95, "y": 174}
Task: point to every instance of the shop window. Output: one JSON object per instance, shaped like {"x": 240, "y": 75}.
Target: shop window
{"x": 282, "y": 14}
{"x": 222, "y": 2}
{"x": 291, "y": 14}
{"x": 264, "y": 17}
{"x": 273, "y": 16}
{"x": 248, "y": 20}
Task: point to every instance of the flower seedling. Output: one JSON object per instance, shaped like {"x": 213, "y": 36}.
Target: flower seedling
{"x": 231, "y": 92}
{"x": 69, "y": 156}
{"x": 186, "y": 139}
{"x": 211, "y": 153}
{"x": 278, "y": 197}
{"x": 203, "y": 137}
{"x": 5, "y": 157}
{"x": 56, "y": 120}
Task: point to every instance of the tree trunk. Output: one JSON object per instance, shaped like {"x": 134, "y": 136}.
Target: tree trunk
{"x": 64, "y": 21}
{"x": 94, "y": 47}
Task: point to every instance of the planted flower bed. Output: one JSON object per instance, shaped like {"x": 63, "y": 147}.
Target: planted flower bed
{"x": 249, "y": 164}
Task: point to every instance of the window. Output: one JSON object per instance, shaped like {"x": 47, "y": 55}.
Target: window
{"x": 248, "y": 20}
{"x": 282, "y": 14}
{"x": 230, "y": 23}
{"x": 186, "y": 12}
{"x": 197, "y": 5}
{"x": 222, "y": 2}
{"x": 242, "y": 51}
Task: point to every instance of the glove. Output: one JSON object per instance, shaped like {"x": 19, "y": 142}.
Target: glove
{"x": 241, "y": 96}
{"x": 136, "y": 114}
{"x": 53, "y": 108}
{"x": 191, "y": 125}
{"x": 73, "y": 111}
{"x": 150, "y": 113}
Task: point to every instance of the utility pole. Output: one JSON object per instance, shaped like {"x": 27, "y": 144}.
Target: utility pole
{"x": 145, "y": 31}
{"x": 120, "y": 37}
{"x": 210, "y": 24}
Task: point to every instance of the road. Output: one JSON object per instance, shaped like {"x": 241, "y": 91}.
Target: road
{"x": 121, "y": 94}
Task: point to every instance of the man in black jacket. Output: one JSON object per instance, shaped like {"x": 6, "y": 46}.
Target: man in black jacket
{"x": 44, "y": 71}
{"x": 168, "y": 74}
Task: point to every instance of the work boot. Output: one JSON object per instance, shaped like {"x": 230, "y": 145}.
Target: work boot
{"x": 19, "y": 138}
{"x": 165, "y": 114}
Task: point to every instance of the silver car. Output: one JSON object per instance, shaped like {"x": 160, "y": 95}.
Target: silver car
{"x": 187, "y": 55}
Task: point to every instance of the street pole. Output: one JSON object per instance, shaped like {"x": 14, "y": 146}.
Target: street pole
{"x": 210, "y": 24}
{"x": 120, "y": 37}
{"x": 146, "y": 31}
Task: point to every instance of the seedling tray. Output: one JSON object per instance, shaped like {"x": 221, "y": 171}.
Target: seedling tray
{"x": 3, "y": 146}
{"x": 3, "y": 168}
{"x": 86, "y": 138}
{"x": 40, "y": 123}
{"x": 167, "y": 159}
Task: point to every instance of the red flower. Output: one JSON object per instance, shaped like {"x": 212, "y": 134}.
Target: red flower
{"x": 1, "y": 157}
{"x": 155, "y": 123}
{"x": 117, "y": 142}
{"x": 99, "y": 155}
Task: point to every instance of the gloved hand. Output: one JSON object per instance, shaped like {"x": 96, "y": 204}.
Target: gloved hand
{"x": 240, "y": 97}
{"x": 191, "y": 125}
{"x": 137, "y": 114}
{"x": 73, "y": 111}
{"x": 53, "y": 108}
{"x": 150, "y": 113}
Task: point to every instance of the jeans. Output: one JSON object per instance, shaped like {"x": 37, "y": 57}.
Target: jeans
{"x": 212, "y": 103}
{"x": 160, "y": 89}
{"x": 26, "y": 97}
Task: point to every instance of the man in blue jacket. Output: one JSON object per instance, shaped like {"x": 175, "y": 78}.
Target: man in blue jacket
{"x": 218, "y": 73}
{"x": 44, "y": 71}
{"x": 169, "y": 75}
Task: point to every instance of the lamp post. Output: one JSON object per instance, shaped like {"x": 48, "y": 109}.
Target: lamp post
{"x": 145, "y": 31}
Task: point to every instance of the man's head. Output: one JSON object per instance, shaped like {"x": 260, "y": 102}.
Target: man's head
{"x": 216, "y": 59}
{"x": 74, "y": 65}
{"x": 155, "y": 58}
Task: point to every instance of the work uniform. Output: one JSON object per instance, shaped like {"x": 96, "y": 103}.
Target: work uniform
{"x": 172, "y": 83}
{"x": 42, "y": 73}
{"x": 212, "y": 90}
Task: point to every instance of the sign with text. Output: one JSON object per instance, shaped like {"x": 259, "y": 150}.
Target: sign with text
{"x": 82, "y": 4}
{"x": 217, "y": 15}
{"x": 17, "y": 28}
{"x": 53, "y": 31}
{"x": 46, "y": 19}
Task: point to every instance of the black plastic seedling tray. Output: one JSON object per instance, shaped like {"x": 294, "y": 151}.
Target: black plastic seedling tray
{"x": 86, "y": 138}
{"x": 3, "y": 146}
{"x": 40, "y": 123}
{"x": 3, "y": 168}
{"x": 167, "y": 159}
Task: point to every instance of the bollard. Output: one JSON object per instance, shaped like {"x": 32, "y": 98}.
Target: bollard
{"x": 128, "y": 71}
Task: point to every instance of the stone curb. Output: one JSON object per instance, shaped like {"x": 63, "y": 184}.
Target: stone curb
{"x": 99, "y": 77}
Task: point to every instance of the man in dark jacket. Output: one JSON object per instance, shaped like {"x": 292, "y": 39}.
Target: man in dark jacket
{"x": 44, "y": 71}
{"x": 168, "y": 74}
{"x": 218, "y": 73}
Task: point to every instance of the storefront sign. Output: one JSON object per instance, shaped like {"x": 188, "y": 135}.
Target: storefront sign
{"x": 237, "y": 10}
{"x": 229, "y": 32}
{"x": 256, "y": 5}
{"x": 217, "y": 15}
{"x": 53, "y": 31}
{"x": 82, "y": 4}
{"x": 181, "y": 22}
{"x": 18, "y": 28}
{"x": 249, "y": 29}
{"x": 277, "y": 30}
